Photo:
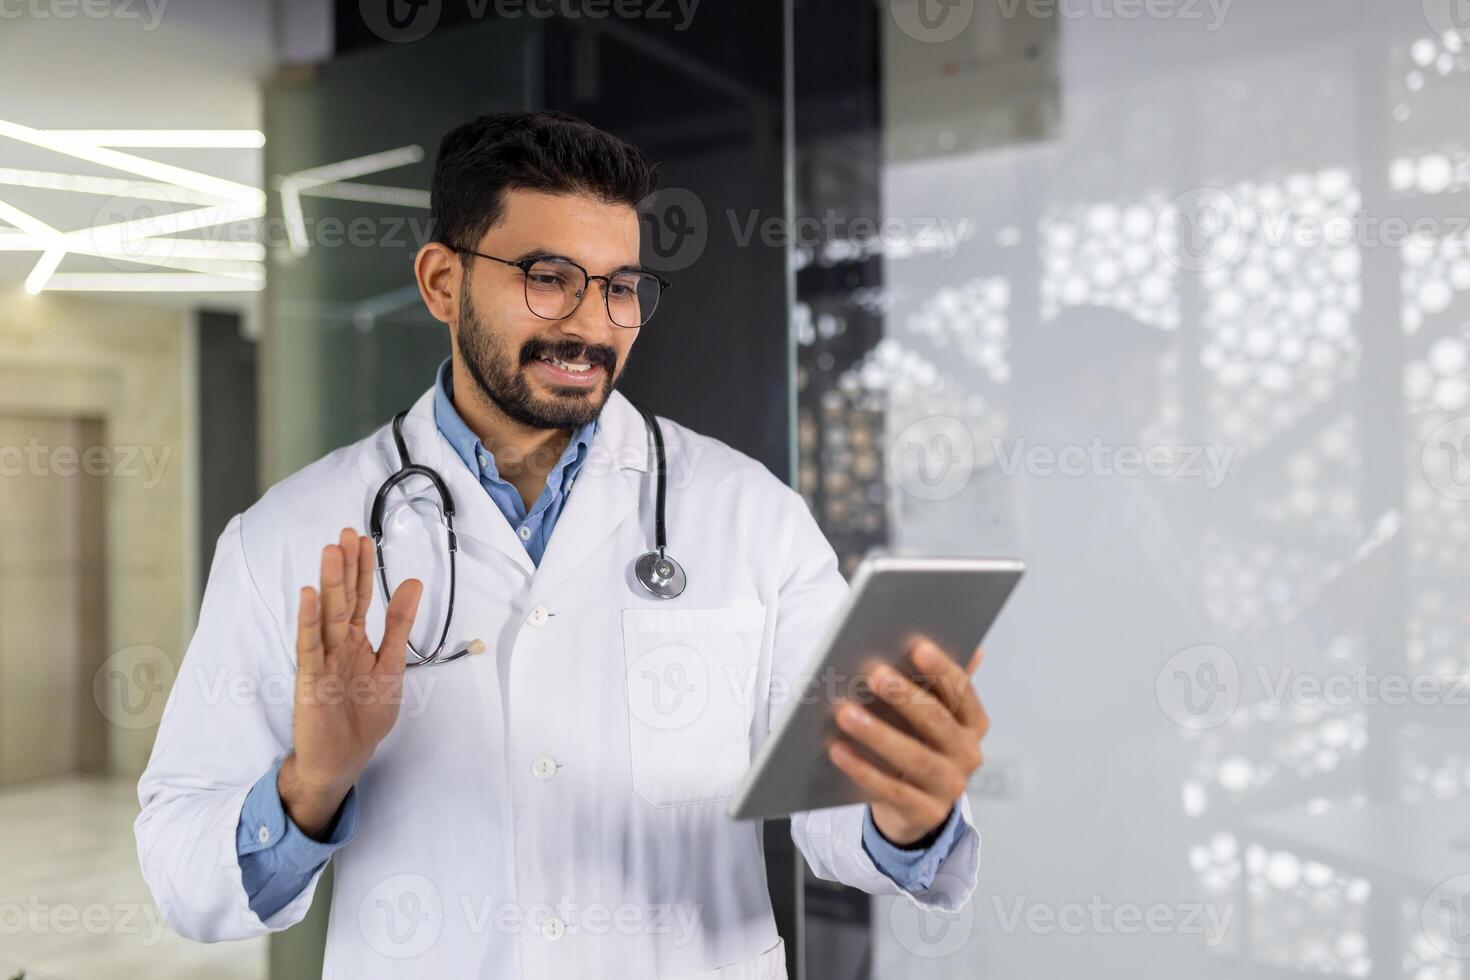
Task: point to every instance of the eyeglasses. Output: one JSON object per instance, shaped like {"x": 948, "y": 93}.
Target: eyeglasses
{"x": 555, "y": 287}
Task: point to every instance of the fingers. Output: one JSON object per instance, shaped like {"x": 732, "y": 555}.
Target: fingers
{"x": 309, "y": 633}
{"x": 879, "y": 787}
{"x": 347, "y": 541}
{"x": 975, "y": 660}
{"x": 924, "y": 712}
{"x": 366, "y": 564}
{"x": 334, "y": 599}
{"x": 951, "y": 681}
{"x": 919, "y": 764}
{"x": 402, "y": 608}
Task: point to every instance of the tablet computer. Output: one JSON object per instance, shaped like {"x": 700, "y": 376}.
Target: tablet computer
{"x": 953, "y": 601}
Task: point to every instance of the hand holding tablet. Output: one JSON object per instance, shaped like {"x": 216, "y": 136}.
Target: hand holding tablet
{"x": 913, "y": 772}
{"x": 887, "y": 713}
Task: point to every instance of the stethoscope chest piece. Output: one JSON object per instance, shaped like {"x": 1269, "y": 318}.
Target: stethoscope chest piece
{"x": 661, "y": 576}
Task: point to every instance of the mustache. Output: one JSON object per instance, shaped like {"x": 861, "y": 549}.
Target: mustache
{"x": 569, "y": 350}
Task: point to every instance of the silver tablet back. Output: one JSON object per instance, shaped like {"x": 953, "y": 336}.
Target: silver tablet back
{"x": 953, "y": 601}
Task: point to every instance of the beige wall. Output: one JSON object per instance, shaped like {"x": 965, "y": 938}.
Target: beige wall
{"x": 124, "y": 364}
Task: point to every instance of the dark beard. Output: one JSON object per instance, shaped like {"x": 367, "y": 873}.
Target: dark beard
{"x": 501, "y": 376}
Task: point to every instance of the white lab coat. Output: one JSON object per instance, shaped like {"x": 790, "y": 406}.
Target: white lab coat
{"x": 531, "y": 814}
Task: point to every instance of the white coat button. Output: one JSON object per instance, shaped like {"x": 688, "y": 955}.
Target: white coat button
{"x": 553, "y": 929}
{"x": 525, "y": 533}
{"x": 264, "y": 836}
{"x": 538, "y": 616}
{"x": 544, "y": 767}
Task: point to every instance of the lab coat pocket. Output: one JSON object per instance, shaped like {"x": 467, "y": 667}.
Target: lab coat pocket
{"x": 690, "y": 674}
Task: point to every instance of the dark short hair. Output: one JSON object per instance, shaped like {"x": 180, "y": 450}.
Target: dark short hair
{"x": 544, "y": 151}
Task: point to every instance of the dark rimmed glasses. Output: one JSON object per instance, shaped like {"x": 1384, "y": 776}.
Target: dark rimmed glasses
{"x": 555, "y": 287}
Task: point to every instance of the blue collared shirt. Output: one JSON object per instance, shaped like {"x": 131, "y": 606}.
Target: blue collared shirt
{"x": 533, "y": 527}
{"x": 277, "y": 859}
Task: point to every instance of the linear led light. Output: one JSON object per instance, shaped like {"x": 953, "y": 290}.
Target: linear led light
{"x": 132, "y": 242}
{"x": 293, "y": 185}
{"x": 145, "y": 282}
{"x": 138, "y": 190}
{"x": 176, "y": 263}
{"x": 151, "y": 248}
{"x": 50, "y": 259}
{"x": 215, "y": 266}
{"x": 188, "y": 139}
{"x": 32, "y": 226}
{"x": 408, "y": 197}
{"x": 357, "y": 167}
{"x": 165, "y": 224}
{"x": 229, "y": 190}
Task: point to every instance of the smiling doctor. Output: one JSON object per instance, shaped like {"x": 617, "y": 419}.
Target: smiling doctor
{"x": 522, "y": 806}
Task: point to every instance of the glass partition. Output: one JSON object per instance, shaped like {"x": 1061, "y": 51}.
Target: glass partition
{"x": 349, "y": 342}
{"x": 1170, "y": 301}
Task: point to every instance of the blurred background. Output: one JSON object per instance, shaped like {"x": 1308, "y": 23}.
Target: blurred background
{"x": 1169, "y": 297}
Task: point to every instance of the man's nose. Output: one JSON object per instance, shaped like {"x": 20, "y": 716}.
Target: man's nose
{"x": 590, "y": 322}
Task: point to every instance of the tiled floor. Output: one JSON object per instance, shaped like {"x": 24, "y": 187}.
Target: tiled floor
{"x": 73, "y": 905}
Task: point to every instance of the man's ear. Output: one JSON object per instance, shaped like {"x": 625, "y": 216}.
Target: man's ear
{"x": 438, "y": 270}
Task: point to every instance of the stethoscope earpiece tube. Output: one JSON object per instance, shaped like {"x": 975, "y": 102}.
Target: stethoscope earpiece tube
{"x": 656, "y": 572}
{"x": 408, "y": 468}
{"x": 660, "y": 575}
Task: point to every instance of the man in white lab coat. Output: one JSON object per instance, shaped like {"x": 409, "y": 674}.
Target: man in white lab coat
{"x": 554, "y": 804}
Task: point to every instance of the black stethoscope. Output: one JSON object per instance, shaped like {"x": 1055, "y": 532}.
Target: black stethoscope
{"x": 659, "y": 574}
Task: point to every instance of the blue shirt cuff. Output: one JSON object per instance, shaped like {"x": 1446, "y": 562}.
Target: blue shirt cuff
{"x": 265, "y": 831}
{"x": 912, "y": 870}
